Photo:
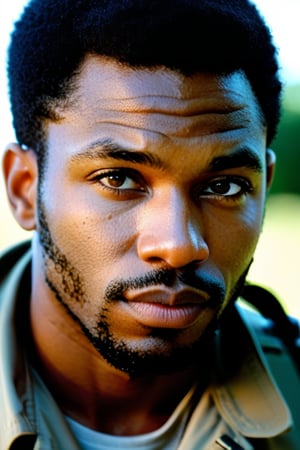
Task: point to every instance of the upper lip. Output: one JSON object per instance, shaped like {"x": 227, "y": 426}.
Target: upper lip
{"x": 168, "y": 297}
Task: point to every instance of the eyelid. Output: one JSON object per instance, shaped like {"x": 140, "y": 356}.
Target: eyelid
{"x": 100, "y": 174}
{"x": 245, "y": 184}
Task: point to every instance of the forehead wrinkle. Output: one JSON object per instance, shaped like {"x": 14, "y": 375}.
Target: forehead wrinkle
{"x": 160, "y": 82}
{"x": 169, "y": 105}
{"x": 156, "y": 90}
{"x": 171, "y": 125}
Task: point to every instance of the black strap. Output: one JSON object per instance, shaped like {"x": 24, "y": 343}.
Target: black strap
{"x": 284, "y": 326}
{"x": 227, "y": 443}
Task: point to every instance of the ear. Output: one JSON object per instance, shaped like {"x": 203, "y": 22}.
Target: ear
{"x": 21, "y": 175}
{"x": 271, "y": 163}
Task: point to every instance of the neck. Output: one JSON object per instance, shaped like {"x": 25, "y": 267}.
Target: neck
{"x": 86, "y": 387}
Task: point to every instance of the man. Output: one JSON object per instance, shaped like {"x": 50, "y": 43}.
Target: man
{"x": 143, "y": 165}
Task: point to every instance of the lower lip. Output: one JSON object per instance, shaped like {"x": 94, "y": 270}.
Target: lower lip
{"x": 156, "y": 315}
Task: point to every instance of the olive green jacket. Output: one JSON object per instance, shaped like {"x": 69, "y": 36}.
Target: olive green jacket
{"x": 244, "y": 389}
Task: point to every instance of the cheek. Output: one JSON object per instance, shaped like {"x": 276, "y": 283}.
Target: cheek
{"x": 233, "y": 242}
{"x": 93, "y": 239}
{"x": 94, "y": 244}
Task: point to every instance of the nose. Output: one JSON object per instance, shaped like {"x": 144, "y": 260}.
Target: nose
{"x": 170, "y": 231}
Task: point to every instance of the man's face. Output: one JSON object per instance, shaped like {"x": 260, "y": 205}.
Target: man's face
{"x": 150, "y": 208}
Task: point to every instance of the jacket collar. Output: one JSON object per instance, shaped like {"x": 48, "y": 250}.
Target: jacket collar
{"x": 244, "y": 389}
{"x": 15, "y": 382}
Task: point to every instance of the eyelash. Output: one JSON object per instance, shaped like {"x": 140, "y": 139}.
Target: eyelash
{"x": 245, "y": 188}
{"x": 244, "y": 184}
{"x": 126, "y": 173}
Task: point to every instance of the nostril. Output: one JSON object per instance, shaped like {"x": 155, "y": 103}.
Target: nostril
{"x": 155, "y": 260}
{"x": 173, "y": 235}
{"x": 173, "y": 254}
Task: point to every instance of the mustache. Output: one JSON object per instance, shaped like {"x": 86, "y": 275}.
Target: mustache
{"x": 116, "y": 289}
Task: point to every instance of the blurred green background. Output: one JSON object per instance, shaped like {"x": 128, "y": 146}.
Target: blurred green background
{"x": 287, "y": 143}
{"x": 277, "y": 259}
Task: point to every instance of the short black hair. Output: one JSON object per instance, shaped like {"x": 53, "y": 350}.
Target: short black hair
{"x": 52, "y": 37}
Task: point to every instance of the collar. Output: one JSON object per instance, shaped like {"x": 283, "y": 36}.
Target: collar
{"x": 15, "y": 383}
{"x": 244, "y": 390}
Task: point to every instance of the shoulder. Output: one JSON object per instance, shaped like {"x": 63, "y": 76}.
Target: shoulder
{"x": 281, "y": 353}
{"x": 15, "y": 268}
{"x": 269, "y": 332}
{"x": 10, "y": 256}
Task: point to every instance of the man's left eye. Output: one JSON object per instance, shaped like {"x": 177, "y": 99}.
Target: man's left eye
{"x": 226, "y": 187}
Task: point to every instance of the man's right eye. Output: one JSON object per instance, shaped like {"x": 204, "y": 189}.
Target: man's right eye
{"x": 119, "y": 180}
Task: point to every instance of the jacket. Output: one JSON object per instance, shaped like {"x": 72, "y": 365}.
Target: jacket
{"x": 256, "y": 387}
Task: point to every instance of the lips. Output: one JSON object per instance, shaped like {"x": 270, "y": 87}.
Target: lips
{"x": 163, "y": 308}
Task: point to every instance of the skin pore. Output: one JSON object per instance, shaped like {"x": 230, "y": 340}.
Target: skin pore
{"x": 148, "y": 214}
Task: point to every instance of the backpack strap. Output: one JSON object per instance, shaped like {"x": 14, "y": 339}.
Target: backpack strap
{"x": 279, "y": 338}
{"x": 283, "y": 326}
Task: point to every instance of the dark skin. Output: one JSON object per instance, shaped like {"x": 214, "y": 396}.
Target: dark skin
{"x": 150, "y": 171}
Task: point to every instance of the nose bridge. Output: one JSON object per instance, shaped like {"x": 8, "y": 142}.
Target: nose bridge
{"x": 171, "y": 230}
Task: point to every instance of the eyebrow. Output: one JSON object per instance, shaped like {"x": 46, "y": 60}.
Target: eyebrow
{"x": 242, "y": 157}
{"x": 107, "y": 148}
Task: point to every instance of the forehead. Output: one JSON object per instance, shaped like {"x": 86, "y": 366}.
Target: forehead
{"x": 110, "y": 100}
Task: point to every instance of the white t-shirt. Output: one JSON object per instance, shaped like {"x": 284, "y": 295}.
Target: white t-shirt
{"x": 167, "y": 437}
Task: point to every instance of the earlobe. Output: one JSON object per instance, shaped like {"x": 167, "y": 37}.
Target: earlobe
{"x": 21, "y": 174}
{"x": 271, "y": 163}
